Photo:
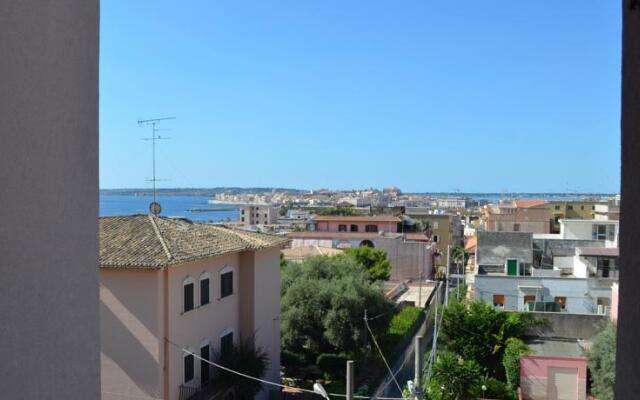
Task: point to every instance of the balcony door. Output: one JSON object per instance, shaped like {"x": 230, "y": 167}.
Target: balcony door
{"x": 205, "y": 354}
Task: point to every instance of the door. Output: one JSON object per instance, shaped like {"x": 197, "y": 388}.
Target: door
{"x": 204, "y": 366}
{"x": 512, "y": 267}
{"x": 562, "y": 383}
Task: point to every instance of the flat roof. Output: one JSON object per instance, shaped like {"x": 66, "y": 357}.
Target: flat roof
{"x": 372, "y": 218}
{"x": 555, "y": 347}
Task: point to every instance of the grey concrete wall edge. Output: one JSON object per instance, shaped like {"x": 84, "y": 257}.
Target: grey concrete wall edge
{"x": 49, "y": 314}
{"x": 628, "y": 352}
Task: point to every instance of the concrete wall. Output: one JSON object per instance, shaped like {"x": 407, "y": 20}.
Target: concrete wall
{"x": 132, "y": 349}
{"x": 267, "y": 310}
{"x": 334, "y": 226}
{"x": 49, "y": 339}
{"x": 407, "y": 258}
{"x": 566, "y": 325}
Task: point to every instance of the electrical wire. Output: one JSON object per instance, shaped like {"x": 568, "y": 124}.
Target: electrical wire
{"x": 274, "y": 383}
{"x": 382, "y": 355}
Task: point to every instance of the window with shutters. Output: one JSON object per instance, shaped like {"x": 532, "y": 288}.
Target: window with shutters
{"x": 188, "y": 367}
{"x": 498, "y": 300}
{"x": 562, "y": 301}
{"x": 205, "y": 284}
{"x": 226, "y": 345}
{"x": 226, "y": 284}
{"x": 205, "y": 368}
{"x": 188, "y": 292}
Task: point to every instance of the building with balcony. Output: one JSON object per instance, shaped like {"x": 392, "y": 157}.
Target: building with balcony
{"x": 171, "y": 284}
{"x": 257, "y": 214}
{"x": 354, "y": 224}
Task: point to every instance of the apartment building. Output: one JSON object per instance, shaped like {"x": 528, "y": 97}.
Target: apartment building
{"x": 354, "y": 224}
{"x": 444, "y": 230}
{"x": 518, "y": 216}
{"x": 258, "y": 214}
{"x": 171, "y": 284}
{"x": 583, "y": 209}
{"x": 517, "y": 272}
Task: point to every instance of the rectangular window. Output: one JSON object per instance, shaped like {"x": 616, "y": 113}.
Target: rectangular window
{"x": 242, "y": 219}
{"x": 562, "y": 301}
{"x": 582, "y": 208}
{"x": 435, "y": 224}
{"x": 204, "y": 291}
{"x": 204, "y": 366}
{"x": 529, "y": 298}
{"x": 516, "y": 227}
{"x": 226, "y": 345}
{"x": 569, "y": 208}
{"x": 354, "y": 228}
{"x": 371, "y": 228}
{"x": 599, "y": 232}
{"x": 436, "y": 239}
{"x": 499, "y": 226}
{"x": 226, "y": 284}
{"x": 188, "y": 368}
{"x": 242, "y": 212}
{"x": 557, "y": 208}
{"x": 188, "y": 297}
{"x": 342, "y": 228}
{"x": 498, "y": 300}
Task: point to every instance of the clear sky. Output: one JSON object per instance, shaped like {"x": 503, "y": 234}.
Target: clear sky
{"x": 428, "y": 95}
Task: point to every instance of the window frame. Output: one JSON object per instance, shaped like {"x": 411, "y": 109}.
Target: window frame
{"x": 498, "y": 304}
{"x": 224, "y": 334}
{"x": 224, "y": 271}
{"x": 205, "y": 276}
{"x": 371, "y": 228}
{"x": 185, "y": 356}
{"x": 342, "y": 228}
{"x": 189, "y": 280}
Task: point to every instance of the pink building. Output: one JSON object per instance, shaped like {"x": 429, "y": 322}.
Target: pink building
{"x": 355, "y": 224}
{"x": 557, "y": 371}
{"x": 172, "y": 284}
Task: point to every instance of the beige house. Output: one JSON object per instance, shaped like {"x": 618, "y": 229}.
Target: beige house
{"x": 199, "y": 286}
{"x": 518, "y": 216}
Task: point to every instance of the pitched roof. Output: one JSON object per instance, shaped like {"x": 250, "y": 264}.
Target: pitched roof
{"x": 529, "y": 203}
{"x": 145, "y": 241}
{"x": 382, "y": 218}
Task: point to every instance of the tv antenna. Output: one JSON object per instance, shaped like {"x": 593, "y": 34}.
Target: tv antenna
{"x": 154, "y": 207}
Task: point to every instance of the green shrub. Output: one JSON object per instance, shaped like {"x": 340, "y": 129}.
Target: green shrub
{"x": 511, "y": 361}
{"x": 333, "y": 365}
{"x": 401, "y": 327}
{"x": 289, "y": 359}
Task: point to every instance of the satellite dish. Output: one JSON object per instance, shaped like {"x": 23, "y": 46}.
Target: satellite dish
{"x": 154, "y": 208}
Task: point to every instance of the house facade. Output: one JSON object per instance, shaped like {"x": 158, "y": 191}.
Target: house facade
{"x": 354, "y": 224}
{"x": 172, "y": 284}
{"x": 257, "y": 214}
{"x": 518, "y": 216}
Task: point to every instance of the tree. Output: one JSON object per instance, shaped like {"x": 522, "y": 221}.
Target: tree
{"x": 515, "y": 349}
{"x": 454, "y": 378}
{"x": 374, "y": 261}
{"x": 246, "y": 358}
{"x": 323, "y": 302}
{"x": 339, "y": 210}
{"x": 602, "y": 363}
{"x": 477, "y": 331}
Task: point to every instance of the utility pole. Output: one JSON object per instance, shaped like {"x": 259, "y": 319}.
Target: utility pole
{"x": 435, "y": 332}
{"x": 417, "y": 376}
{"x": 349, "y": 391}
{"x": 446, "y": 291}
{"x": 420, "y": 291}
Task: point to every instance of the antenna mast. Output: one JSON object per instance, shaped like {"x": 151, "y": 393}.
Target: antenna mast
{"x": 154, "y": 207}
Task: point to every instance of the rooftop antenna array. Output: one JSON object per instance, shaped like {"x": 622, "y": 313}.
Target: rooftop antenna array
{"x": 154, "y": 207}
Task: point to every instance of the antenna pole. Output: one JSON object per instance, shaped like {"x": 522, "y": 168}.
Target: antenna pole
{"x": 154, "y": 129}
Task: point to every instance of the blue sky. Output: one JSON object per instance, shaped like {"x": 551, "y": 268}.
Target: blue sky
{"x": 426, "y": 95}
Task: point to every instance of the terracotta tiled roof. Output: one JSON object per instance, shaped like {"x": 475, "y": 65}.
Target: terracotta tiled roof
{"x": 144, "y": 241}
{"x": 529, "y": 203}
{"x": 339, "y": 218}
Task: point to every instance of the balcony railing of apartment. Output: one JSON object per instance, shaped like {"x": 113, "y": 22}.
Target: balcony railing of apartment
{"x": 212, "y": 390}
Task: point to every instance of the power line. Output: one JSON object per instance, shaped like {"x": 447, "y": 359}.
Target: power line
{"x": 373, "y": 337}
{"x": 269, "y": 382}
